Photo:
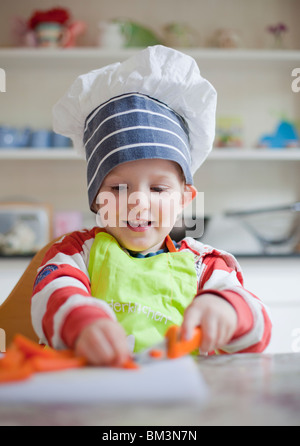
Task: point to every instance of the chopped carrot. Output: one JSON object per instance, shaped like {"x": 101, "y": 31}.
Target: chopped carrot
{"x": 130, "y": 364}
{"x": 66, "y": 354}
{"x": 30, "y": 348}
{"x": 12, "y": 359}
{"x": 56, "y": 364}
{"x": 156, "y": 353}
{"x": 15, "y": 374}
{"x": 178, "y": 347}
{"x": 25, "y": 357}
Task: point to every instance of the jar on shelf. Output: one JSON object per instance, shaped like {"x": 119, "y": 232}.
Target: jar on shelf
{"x": 49, "y": 34}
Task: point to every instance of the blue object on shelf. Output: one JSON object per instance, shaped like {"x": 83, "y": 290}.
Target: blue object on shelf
{"x": 12, "y": 138}
{"x": 285, "y": 136}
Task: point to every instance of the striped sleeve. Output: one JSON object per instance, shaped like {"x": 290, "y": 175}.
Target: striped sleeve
{"x": 220, "y": 274}
{"x": 62, "y": 304}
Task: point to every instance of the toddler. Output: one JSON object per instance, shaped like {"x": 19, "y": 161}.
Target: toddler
{"x": 145, "y": 127}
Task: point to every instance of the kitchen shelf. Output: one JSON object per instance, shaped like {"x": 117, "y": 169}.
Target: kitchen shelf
{"x": 256, "y": 154}
{"x": 39, "y": 154}
{"x": 20, "y": 57}
{"x": 249, "y": 82}
{"x": 216, "y": 155}
{"x": 87, "y": 52}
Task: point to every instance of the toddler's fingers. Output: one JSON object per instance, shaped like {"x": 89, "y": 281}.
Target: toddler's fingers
{"x": 191, "y": 320}
{"x": 225, "y": 336}
{"x": 209, "y": 334}
{"x": 95, "y": 348}
{"x": 118, "y": 342}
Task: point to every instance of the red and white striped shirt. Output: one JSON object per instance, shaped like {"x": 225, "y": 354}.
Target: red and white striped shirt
{"x": 62, "y": 304}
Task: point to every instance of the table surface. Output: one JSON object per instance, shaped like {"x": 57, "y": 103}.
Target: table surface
{"x": 247, "y": 389}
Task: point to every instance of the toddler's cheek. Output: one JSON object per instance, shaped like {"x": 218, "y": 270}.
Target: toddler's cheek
{"x": 168, "y": 211}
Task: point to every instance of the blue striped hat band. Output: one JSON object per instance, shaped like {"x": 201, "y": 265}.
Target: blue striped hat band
{"x": 131, "y": 127}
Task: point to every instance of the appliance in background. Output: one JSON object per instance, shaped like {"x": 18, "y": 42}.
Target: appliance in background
{"x": 25, "y": 228}
{"x": 265, "y": 231}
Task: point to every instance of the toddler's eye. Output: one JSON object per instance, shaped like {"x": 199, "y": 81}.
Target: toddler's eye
{"x": 158, "y": 189}
{"x": 119, "y": 187}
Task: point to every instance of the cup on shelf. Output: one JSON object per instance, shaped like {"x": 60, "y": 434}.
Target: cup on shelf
{"x": 41, "y": 139}
{"x": 60, "y": 141}
{"x": 111, "y": 35}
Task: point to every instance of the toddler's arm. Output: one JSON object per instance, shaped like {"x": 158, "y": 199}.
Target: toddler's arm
{"x": 62, "y": 305}
{"x": 103, "y": 343}
{"x": 232, "y": 318}
{"x": 217, "y": 318}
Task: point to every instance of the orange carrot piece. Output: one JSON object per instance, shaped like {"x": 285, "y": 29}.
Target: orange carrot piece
{"x": 156, "y": 353}
{"x": 25, "y": 357}
{"x": 65, "y": 354}
{"x": 13, "y": 358}
{"x": 55, "y": 364}
{"x": 30, "y": 348}
{"x": 15, "y": 374}
{"x": 178, "y": 347}
{"x": 130, "y": 364}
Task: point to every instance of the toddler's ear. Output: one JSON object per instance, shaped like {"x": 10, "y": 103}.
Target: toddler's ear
{"x": 190, "y": 193}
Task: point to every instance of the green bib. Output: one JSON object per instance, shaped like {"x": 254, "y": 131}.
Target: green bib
{"x": 147, "y": 294}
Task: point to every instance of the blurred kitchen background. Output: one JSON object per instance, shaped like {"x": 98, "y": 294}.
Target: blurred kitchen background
{"x": 249, "y": 51}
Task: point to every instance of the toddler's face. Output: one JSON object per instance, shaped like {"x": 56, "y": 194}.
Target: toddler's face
{"x": 139, "y": 202}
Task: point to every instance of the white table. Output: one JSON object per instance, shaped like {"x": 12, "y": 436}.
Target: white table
{"x": 245, "y": 390}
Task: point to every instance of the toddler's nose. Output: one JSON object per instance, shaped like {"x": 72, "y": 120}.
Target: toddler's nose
{"x": 139, "y": 199}
{"x": 139, "y": 203}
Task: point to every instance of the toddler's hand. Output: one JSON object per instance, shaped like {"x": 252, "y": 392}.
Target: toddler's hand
{"x": 103, "y": 343}
{"x": 217, "y": 318}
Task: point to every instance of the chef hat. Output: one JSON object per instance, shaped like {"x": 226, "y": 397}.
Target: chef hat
{"x": 154, "y": 105}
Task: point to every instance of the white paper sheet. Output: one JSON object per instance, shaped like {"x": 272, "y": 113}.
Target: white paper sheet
{"x": 163, "y": 382}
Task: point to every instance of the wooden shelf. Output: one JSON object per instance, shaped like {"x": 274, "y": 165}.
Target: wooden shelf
{"x": 216, "y": 155}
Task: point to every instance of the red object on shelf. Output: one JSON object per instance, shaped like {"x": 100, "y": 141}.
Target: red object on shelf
{"x": 55, "y": 15}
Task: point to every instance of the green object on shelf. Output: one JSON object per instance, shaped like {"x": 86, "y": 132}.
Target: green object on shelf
{"x": 137, "y": 35}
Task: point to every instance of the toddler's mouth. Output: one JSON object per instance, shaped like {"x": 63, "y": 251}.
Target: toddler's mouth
{"x": 139, "y": 223}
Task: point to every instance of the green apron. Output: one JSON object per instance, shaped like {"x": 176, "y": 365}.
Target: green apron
{"x": 147, "y": 294}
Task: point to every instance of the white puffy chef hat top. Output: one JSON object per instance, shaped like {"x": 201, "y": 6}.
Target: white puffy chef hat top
{"x": 161, "y": 81}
